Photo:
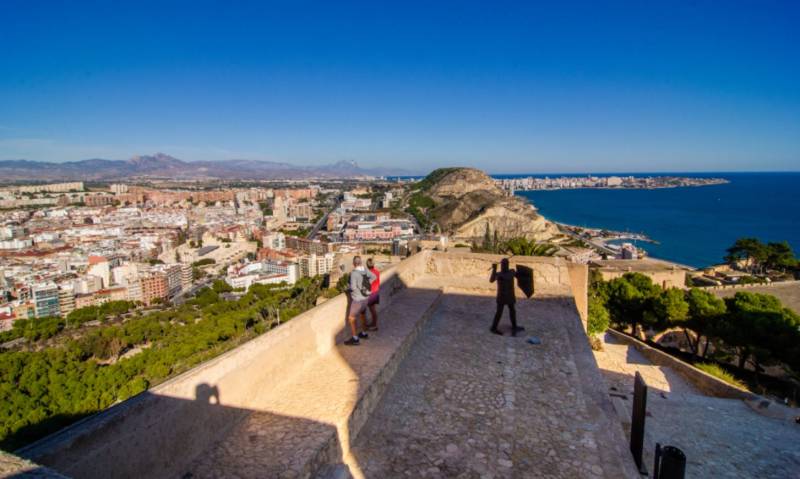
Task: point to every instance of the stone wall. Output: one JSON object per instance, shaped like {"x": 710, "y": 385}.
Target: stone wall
{"x": 154, "y": 433}
{"x": 706, "y": 383}
{"x": 745, "y": 287}
{"x": 551, "y": 276}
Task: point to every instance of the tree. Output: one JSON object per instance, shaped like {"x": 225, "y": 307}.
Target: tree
{"x": 780, "y": 256}
{"x": 220, "y": 286}
{"x": 630, "y": 297}
{"x": 705, "y": 313}
{"x": 761, "y": 330}
{"x": 750, "y": 252}
{"x": 668, "y": 309}
{"x": 487, "y": 239}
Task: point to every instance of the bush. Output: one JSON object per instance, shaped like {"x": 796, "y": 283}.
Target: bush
{"x": 720, "y": 373}
{"x": 598, "y": 317}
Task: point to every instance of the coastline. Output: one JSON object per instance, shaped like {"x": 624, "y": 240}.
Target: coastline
{"x": 694, "y": 226}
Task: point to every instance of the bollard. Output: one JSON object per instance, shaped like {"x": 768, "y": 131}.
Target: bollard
{"x": 670, "y": 463}
{"x": 638, "y": 415}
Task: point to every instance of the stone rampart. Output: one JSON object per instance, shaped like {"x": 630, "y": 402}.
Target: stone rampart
{"x": 706, "y": 383}
{"x": 153, "y": 433}
{"x": 157, "y": 433}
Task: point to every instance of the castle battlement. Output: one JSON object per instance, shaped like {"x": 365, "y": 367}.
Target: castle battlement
{"x": 431, "y": 394}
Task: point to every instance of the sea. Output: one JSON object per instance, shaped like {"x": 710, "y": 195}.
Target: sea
{"x": 692, "y": 225}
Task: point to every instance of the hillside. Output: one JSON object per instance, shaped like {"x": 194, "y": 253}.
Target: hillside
{"x": 463, "y": 201}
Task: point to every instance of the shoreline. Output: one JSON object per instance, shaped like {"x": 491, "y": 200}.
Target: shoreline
{"x": 636, "y": 237}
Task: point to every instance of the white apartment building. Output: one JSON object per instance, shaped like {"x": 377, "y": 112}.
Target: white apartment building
{"x": 315, "y": 265}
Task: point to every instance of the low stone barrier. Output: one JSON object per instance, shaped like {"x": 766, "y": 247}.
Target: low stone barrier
{"x": 155, "y": 433}
{"x": 703, "y": 381}
{"x": 727, "y": 287}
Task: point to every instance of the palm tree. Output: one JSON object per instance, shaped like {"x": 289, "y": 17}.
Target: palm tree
{"x": 525, "y": 247}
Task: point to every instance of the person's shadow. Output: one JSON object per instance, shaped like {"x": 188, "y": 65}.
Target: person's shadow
{"x": 204, "y": 394}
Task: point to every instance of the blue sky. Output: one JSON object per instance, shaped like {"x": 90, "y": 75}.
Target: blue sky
{"x": 504, "y": 86}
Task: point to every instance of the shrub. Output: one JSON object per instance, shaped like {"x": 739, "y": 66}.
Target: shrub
{"x": 598, "y": 317}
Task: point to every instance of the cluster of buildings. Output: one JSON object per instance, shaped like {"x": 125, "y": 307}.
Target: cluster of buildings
{"x": 283, "y": 259}
{"x": 573, "y": 182}
{"x": 140, "y": 244}
{"x": 81, "y": 248}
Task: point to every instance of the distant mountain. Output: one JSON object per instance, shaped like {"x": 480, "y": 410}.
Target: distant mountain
{"x": 165, "y": 166}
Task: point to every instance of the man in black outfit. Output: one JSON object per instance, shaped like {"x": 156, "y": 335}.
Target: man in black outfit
{"x": 505, "y": 296}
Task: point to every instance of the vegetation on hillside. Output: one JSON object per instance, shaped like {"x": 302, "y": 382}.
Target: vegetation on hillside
{"x": 433, "y": 177}
{"x": 76, "y": 374}
{"x": 746, "y": 330}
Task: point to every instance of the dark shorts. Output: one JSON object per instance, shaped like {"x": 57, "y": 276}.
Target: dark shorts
{"x": 357, "y": 307}
{"x": 374, "y": 298}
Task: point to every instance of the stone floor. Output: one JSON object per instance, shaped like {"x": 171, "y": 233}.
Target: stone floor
{"x": 467, "y": 403}
{"x": 721, "y": 437}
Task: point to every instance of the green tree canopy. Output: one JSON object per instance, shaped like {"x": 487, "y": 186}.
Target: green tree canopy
{"x": 750, "y": 252}
{"x": 705, "y": 313}
{"x": 780, "y": 256}
{"x": 630, "y": 297}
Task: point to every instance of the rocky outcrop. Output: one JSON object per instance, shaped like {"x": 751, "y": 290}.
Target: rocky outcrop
{"x": 467, "y": 200}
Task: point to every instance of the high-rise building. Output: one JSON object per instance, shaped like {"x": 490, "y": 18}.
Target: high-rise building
{"x": 46, "y": 300}
{"x": 66, "y": 299}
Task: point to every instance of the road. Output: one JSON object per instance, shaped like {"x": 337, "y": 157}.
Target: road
{"x": 180, "y": 298}
{"x": 318, "y": 226}
{"x": 603, "y": 248}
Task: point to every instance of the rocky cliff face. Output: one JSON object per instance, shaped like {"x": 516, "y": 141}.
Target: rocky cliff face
{"x": 467, "y": 200}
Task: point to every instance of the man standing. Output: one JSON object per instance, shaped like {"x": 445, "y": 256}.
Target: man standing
{"x": 505, "y": 296}
{"x": 360, "y": 289}
{"x": 375, "y": 295}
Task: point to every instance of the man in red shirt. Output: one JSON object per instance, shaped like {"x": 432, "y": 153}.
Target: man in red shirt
{"x": 375, "y": 295}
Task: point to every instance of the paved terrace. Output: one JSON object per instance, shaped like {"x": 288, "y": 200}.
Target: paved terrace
{"x": 722, "y": 437}
{"x": 432, "y": 394}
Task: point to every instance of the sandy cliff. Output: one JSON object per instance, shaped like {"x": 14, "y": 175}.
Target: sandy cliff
{"x": 467, "y": 199}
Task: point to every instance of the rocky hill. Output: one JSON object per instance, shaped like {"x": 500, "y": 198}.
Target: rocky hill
{"x": 463, "y": 201}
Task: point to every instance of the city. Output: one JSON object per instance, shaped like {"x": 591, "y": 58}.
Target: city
{"x": 371, "y": 240}
{"x": 63, "y": 247}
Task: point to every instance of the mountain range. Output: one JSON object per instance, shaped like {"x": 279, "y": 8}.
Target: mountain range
{"x": 164, "y": 166}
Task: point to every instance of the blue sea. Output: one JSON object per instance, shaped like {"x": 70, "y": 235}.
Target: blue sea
{"x": 693, "y": 225}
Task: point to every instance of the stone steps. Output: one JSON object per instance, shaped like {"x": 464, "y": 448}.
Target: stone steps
{"x": 305, "y": 425}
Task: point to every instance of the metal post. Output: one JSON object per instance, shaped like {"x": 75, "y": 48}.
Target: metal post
{"x": 637, "y": 421}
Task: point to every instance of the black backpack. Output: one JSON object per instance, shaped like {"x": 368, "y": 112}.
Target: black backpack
{"x": 366, "y": 285}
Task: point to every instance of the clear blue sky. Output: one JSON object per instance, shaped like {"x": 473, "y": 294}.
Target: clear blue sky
{"x": 504, "y": 86}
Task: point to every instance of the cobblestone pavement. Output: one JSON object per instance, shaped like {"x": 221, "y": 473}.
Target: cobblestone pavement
{"x": 467, "y": 403}
{"x": 721, "y": 437}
